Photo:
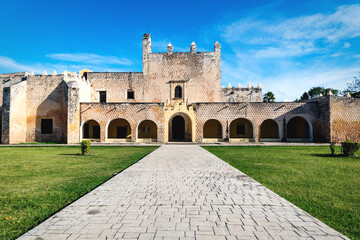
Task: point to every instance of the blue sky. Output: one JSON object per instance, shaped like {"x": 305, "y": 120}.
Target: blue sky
{"x": 287, "y": 46}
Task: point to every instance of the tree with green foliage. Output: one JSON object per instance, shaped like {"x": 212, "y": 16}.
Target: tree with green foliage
{"x": 269, "y": 97}
{"x": 303, "y": 97}
{"x": 316, "y": 91}
{"x": 353, "y": 88}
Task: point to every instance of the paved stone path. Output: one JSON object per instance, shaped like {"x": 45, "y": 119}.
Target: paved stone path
{"x": 181, "y": 192}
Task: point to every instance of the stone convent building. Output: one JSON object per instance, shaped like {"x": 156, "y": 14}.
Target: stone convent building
{"x": 177, "y": 97}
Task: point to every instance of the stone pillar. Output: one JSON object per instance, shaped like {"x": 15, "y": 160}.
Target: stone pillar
{"x": 73, "y": 112}
{"x": 103, "y": 131}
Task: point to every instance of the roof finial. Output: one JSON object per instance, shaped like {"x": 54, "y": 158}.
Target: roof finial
{"x": 217, "y": 47}
{"x": 54, "y": 73}
{"x": 249, "y": 85}
{"x": 45, "y": 73}
{"x": 259, "y": 85}
{"x": 330, "y": 93}
{"x": 193, "y": 47}
{"x": 348, "y": 94}
{"x": 170, "y": 48}
{"x": 229, "y": 85}
{"x": 239, "y": 85}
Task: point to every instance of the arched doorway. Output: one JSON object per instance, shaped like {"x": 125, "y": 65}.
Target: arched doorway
{"x": 269, "y": 131}
{"x": 91, "y": 130}
{"x": 180, "y": 127}
{"x": 212, "y": 131}
{"x": 298, "y": 129}
{"x": 119, "y": 130}
{"x": 241, "y": 130}
{"x": 147, "y": 131}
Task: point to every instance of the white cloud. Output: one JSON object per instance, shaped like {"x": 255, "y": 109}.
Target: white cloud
{"x": 12, "y": 65}
{"x": 296, "y": 36}
{"x": 290, "y": 56}
{"x": 89, "y": 58}
{"x": 342, "y": 24}
{"x": 289, "y": 50}
{"x": 339, "y": 54}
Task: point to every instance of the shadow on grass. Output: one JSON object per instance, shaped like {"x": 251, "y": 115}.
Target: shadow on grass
{"x": 328, "y": 155}
{"x": 71, "y": 154}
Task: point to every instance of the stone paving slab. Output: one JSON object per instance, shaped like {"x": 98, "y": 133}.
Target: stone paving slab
{"x": 181, "y": 192}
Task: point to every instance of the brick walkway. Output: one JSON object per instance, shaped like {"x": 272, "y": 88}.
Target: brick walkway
{"x": 181, "y": 192}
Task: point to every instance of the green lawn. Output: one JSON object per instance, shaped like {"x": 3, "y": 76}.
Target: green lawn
{"x": 326, "y": 187}
{"x": 35, "y": 182}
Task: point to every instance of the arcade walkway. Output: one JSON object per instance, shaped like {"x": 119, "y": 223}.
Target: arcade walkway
{"x": 181, "y": 192}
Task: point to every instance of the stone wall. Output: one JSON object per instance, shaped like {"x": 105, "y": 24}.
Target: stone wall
{"x": 344, "y": 118}
{"x": 116, "y": 85}
{"x": 7, "y": 80}
{"x": 134, "y": 113}
{"x": 46, "y": 98}
{"x": 14, "y": 114}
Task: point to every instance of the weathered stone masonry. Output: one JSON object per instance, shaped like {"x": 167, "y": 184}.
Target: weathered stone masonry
{"x": 177, "y": 97}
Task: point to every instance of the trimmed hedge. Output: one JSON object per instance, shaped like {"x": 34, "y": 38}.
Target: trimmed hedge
{"x": 349, "y": 148}
{"x": 85, "y": 146}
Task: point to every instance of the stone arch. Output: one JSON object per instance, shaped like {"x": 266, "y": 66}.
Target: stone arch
{"x": 299, "y": 129}
{"x": 118, "y": 130}
{"x": 212, "y": 129}
{"x": 269, "y": 130}
{"x": 241, "y": 129}
{"x": 90, "y": 129}
{"x": 180, "y": 127}
{"x": 147, "y": 131}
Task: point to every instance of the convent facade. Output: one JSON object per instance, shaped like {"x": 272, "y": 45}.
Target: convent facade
{"x": 177, "y": 97}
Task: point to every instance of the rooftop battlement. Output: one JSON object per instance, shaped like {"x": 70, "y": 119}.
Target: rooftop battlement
{"x": 147, "y": 47}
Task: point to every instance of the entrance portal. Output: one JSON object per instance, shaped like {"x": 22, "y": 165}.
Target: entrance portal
{"x": 178, "y": 128}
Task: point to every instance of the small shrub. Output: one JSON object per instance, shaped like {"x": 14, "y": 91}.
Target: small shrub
{"x": 332, "y": 148}
{"x": 349, "y": 148}
{"x": 85, "y": 147}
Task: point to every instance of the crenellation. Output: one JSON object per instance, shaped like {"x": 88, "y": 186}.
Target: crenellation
{"x": 232, "y": 94}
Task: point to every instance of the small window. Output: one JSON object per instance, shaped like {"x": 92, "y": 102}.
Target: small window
{"x": 240, "y": 129}
{"x": 102, "y": 96}
{"x": 46, "y": 126}
{"x": 178, "y": 92}
{"x": 130, "y": 94}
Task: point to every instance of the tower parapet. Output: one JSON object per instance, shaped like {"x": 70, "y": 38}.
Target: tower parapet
{"x": 242, "y": 94}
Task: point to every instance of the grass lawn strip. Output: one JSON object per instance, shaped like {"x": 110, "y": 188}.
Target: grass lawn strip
{"x": 36, "y": 182}
{"x": 325, "y": 186}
